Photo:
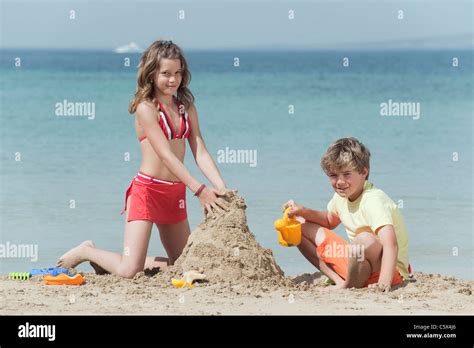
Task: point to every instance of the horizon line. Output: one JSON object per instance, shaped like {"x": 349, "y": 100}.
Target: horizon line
{"x": 254, "y": 49}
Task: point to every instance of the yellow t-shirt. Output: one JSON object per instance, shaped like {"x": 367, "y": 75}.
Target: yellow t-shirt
{"x": 370, "y": 211}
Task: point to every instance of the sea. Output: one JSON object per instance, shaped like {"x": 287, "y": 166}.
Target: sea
{"x": 63, "y": 177}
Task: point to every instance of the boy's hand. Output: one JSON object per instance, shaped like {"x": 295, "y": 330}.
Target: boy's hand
{"x": 296, "y": 210}
{"x": 379, "y": 287}
{"x": 290, "y": 203}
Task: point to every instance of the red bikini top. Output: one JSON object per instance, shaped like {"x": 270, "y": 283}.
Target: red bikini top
{"x": 168, "y": 127}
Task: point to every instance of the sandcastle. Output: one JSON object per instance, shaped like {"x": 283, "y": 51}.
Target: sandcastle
{"x": 226, "y": 250}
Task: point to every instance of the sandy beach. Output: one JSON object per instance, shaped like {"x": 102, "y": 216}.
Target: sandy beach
{"x": 106, "y": 294}
{"x": 242, "y": 277}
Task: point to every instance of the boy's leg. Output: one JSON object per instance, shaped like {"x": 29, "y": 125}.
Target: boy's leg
{"x": 360, "y": 268}
{"x": 312, "y": 235}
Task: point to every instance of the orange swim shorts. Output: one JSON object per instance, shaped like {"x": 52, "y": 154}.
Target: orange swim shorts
{"x": 332, "y": 252}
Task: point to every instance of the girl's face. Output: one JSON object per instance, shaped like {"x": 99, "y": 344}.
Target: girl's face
{"x": 168, "y": 77}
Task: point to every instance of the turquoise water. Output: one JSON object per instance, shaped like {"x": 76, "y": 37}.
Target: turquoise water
{"x": 65, "y": 158}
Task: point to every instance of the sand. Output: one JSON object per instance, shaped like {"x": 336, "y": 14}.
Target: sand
{"x": 106, "y": 294}
{"x": 226, "y": 251}
{"x": 242, "y": 277}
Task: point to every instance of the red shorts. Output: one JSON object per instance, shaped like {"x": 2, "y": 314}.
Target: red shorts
{"x": 156, "y": 200}
{"x": 339, "y": 263}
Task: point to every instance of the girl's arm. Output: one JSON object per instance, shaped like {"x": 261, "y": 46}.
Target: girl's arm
{"x": 201, "y": 155}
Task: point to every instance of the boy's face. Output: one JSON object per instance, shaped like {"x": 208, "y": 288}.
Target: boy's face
{"x": 348, "y": 183}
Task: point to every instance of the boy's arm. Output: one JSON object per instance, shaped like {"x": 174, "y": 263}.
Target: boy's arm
{"x": 389, "y": 254}
{"x": 322, "y": 218}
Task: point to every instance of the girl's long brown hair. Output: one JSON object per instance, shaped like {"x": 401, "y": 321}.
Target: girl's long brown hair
{"x": 150, "y": 64}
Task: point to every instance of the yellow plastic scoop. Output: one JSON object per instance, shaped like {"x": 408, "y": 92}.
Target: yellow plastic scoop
{"x": 181, "y": 283}
{"x": 288, "y": 229}
{"x": 189, "y": 278}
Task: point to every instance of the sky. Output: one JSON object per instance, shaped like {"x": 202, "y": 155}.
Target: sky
{"x": 224, "y": 24}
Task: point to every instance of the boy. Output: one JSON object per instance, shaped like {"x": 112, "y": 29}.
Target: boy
{"x": 378, "y": 254}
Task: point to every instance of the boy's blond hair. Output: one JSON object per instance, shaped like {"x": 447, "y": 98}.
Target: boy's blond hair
{"x": 346, "y": 153}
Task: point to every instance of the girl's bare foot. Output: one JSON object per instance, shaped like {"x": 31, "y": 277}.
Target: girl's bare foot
{"x": 75, "y": 256}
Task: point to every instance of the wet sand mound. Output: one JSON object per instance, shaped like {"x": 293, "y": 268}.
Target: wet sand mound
{"x": 226, "y": 250}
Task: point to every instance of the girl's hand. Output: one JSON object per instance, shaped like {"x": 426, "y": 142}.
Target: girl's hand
{"x": 221, "y": 192}
{"x": 220, "y": 201}
{"x": 296, "y": 209}
{"x": 211, "y": 202}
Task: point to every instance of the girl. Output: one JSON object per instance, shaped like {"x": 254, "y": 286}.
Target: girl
{"x": 165, "y": 117}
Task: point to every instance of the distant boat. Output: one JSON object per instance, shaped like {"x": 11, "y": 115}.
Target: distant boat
{"x": 132, "y": 47}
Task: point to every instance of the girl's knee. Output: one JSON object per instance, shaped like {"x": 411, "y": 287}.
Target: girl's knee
{"x": 128, "y": 272}
{"x": 171, "y": 260}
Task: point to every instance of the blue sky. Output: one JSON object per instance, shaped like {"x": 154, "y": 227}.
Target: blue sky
{"x": 348, "y": 24}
